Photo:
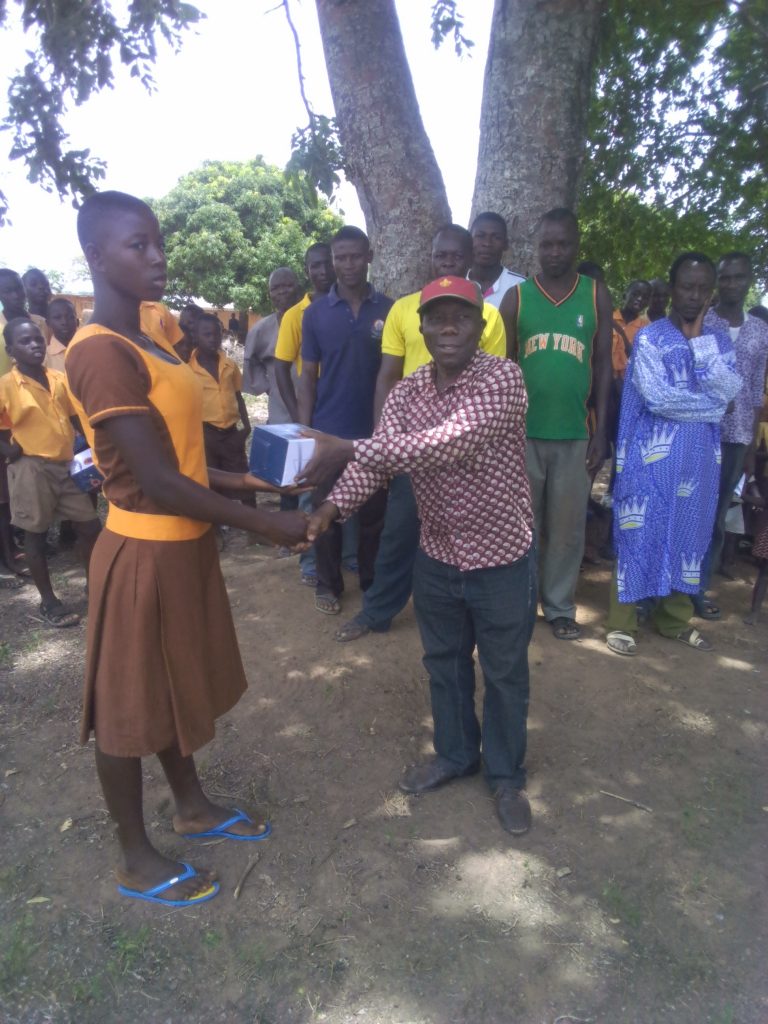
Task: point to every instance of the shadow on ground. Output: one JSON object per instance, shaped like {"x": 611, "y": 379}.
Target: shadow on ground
{"x": 366, "y": 906}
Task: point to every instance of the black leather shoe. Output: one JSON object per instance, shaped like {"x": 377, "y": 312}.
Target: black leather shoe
{"x": 420, "y": 778}
{"x": 513, "y": 809}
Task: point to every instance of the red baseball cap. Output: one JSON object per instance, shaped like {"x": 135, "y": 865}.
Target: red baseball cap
{"x": 452, "y": 288}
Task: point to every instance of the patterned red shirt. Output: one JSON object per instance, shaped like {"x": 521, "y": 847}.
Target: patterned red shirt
{"x": 465, "y": 451}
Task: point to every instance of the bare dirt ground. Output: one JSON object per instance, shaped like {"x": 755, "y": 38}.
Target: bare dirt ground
{"x": 369, "y": 907}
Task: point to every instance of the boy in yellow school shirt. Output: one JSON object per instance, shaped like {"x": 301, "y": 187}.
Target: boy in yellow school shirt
{"x": 35, "y": 405}
{"x": 225, "y": 419}
{"x": 62, "y": 324}
{"x": 13, "y": 303}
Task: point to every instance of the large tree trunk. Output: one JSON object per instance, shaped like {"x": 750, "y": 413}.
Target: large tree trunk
{"x": 388, "y": 156}
{"x": 536, "y": 95}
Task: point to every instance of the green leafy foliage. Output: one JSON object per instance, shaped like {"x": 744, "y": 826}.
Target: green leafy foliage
{"x": 678, "y": 118}
{"x": 316, "y": 156}
{"x": 676, "y": 133}
{"x": 228, "y": 225}
{"x": 74, "y": 47}
{"x": 632, "y": 238}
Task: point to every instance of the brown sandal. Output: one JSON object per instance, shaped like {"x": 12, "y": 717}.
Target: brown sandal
{"x": 327, "y": 604}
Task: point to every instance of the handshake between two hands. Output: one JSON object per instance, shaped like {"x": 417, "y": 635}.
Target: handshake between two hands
{"x": 296, "y": 530}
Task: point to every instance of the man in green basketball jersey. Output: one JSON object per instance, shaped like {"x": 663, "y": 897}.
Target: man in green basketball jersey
{"x": 558, "y": 327}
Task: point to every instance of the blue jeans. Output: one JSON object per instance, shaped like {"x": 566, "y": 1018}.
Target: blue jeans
{"x": 393, "y": 571}
{"x": 493, "y": 610}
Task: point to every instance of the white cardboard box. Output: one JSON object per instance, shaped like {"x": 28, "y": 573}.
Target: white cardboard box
{"x": 279, "y": 453}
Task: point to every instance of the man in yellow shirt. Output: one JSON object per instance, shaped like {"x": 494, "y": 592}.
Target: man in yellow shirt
{"x": 35, "y": 404}
{"x": 319, "y": 269}
{"x": 403, "y": 351}
{"x": 225, "y": 418}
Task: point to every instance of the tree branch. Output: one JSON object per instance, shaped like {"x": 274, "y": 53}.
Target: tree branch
{"x": 299, "y": 68}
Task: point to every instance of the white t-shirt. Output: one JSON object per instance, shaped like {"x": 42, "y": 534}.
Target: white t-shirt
{"x": 507, "y": 279}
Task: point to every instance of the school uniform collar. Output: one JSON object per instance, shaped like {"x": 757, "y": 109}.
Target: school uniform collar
{"x": 22, "y": 380}
{"x": 55, "y": 347}
{"x": 194, "y": 361}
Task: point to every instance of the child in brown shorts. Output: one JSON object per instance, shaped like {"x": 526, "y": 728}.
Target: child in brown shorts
{"x": 35, "y": 405}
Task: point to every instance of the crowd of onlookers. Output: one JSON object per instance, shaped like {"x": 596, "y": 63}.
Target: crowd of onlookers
{"x": 573, "y": 413}
{"x": 458, "y": 433}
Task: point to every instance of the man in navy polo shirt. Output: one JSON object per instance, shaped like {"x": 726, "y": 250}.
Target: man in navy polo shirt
{"x": 341, "y": 355}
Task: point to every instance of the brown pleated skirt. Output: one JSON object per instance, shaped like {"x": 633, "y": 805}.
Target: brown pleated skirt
{"x": 162, "y": 660}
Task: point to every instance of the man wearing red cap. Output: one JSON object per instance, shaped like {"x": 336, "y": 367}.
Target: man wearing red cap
{"x": 457, "y": 426}
{"x": 403, "y": 351}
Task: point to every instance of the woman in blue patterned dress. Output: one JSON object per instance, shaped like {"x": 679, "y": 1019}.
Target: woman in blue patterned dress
{"x": 677, "y": 387}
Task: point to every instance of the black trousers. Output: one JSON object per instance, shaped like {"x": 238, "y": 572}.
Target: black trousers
{"x": 328, "y": 545}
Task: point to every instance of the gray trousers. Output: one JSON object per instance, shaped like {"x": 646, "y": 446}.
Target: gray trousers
{"x": 560, "y": 489}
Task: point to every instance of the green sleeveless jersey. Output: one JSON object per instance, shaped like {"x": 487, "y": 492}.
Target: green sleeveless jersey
{"x": 555, "y": 342}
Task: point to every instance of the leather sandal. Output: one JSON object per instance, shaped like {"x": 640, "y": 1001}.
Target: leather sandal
{"x": 564, "y": 628}
{"x": 327, "y": 604}
{"x": 621, "y": 643}
{"x": 693, "y": 638}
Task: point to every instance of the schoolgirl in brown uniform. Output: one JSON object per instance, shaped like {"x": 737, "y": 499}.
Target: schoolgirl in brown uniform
{"x": 162, "y": 661}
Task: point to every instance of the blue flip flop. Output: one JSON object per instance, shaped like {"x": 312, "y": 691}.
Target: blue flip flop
{"x": 222, "y": 831}
{"x": 153, "y": 895}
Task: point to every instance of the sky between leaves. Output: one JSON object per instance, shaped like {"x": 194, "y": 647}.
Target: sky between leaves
{"x": 232, "y": 93}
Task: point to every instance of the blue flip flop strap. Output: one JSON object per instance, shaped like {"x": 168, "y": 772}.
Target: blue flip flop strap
{"x": 221, "y": 829}
{"x": 191, "y": 902}
{"x": 188, "y": 872}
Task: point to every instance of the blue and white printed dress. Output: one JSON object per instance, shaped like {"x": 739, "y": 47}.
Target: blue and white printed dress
{"x": 668, "y": 458}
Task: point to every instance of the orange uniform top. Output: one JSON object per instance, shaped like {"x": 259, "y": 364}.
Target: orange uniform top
{"x": 39, "y": 417}
{"x": 54, "y": 354}
{"x": 220, "y": 406}
{"x": 157, "y": 319}
{"x": 107, "y": 376}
